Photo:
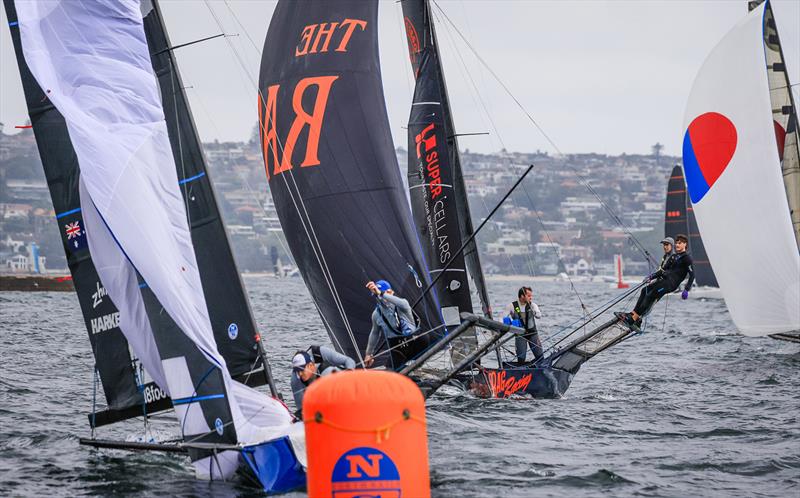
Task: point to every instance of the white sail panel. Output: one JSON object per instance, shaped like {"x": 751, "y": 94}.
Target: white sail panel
{"x": 93, "y": 61}
{"x": 734, "y": 177}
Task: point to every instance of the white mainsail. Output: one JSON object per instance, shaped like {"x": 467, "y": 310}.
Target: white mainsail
{"x": 734, "y": 177}
{"x": 93, "y": 62}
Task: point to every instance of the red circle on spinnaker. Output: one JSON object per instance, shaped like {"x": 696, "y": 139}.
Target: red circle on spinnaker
{"x": 714, "y": 141}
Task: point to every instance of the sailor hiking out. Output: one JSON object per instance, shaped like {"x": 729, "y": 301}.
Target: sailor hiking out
{"x": 314, "y": 362}
{"x": 393, "y": 322}
{"x": 671, "y": 272}
{"x": 523, "y": 313}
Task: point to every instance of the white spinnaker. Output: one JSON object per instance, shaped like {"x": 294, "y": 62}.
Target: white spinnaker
{"x": 744, "y": 217}
{"x": 93, "y": 62}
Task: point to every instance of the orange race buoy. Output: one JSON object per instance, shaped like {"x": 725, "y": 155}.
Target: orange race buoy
{"x": 366, "y": 436}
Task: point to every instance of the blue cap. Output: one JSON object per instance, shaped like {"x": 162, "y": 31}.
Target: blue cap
{"x": 383, "y": 285}
{"x": 300, "y": 360}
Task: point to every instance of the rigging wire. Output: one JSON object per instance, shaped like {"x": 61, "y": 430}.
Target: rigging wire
{"x": 583, "y": 180}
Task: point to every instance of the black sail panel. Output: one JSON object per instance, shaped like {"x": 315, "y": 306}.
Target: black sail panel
{"x": 679, "y": 219}
{"x": 675, "y": 217}
{"x": 228, "y": 307}
{"x": 331, "y": 165}
{"x": 421, "y": 36}
{"x": 433, "y": 200}
{"x": 112, "y": 357}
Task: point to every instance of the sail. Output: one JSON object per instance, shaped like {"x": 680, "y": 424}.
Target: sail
{"x": 112, "y": 357}
{"x": 421, "y": 38}
{"x": 784, "y": 115}
{"x": 679, "y": 218}
{"x": 331, "y": 165}
{"x": 433, "y": 201}
{"x": 93, "y": 61}
{"x": 734, "y": 179}
{"x": 228, "y": 307}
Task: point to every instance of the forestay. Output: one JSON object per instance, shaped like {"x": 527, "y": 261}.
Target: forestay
{"x": 735, "y": 182}
{"x": 93, "y": 61}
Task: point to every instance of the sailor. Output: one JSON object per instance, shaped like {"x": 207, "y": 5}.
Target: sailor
{"x": 392, "y": 321}
{"x": 523, "y": 313}
{"x": 314, "y": 362}
{"x": 671, "y": 272}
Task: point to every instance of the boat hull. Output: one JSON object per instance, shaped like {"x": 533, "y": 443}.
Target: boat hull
{"x": 537, "y": 382}
{"x": 275, "y": 466}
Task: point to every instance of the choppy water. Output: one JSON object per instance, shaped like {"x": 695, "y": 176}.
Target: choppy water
{"x": 688, "y": 408}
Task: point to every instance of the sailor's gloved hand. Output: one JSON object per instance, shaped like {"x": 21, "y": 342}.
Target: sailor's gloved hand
{"x": 507, "y": 320}
{"x": 516, "y": 323}
{"x": 685, "y": 294}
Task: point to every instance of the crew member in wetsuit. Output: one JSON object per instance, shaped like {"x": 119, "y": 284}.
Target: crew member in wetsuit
{"x": 314, "y": 362}
{"x": 392, "y": 321}
{"x": 523, "y": 313}
{"x": 665, "y": 280}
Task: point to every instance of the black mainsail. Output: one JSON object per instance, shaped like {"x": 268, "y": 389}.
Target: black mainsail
{"x": 426, "y": 65}
{"x": 331, "y": 165}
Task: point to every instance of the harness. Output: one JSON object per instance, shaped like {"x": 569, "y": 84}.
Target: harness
{"x": 518, "y": 312}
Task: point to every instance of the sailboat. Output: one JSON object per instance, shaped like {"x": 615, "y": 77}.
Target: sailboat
{"x": 742, "y": 166}
{"x": 129, "y": 184}
{"x": 679, "y": 219}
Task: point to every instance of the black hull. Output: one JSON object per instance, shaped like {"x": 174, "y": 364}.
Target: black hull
{"x": 537, "y": 382}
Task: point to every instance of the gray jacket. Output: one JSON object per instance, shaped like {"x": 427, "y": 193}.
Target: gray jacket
{"x": 390, "y": 304}
{"x": 332, "y": 361}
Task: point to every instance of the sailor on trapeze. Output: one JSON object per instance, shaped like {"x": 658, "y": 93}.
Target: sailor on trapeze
{"x": 671, "y": 272}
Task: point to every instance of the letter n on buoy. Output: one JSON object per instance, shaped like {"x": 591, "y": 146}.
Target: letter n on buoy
{"x": 366, "y": 436}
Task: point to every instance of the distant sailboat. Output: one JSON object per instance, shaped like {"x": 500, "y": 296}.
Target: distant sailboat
{"x": 679, "y": 219}
{"x": 111, "y": 164}
{"x": 740, "y": 155}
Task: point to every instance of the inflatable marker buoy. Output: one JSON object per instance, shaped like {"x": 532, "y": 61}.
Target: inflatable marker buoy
{"x": 366, "y": 436}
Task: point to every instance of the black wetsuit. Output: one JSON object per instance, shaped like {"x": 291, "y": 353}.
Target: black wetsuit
{"x": 667, "y": 279}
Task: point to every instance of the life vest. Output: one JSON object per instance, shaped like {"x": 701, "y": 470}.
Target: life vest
{"x": 517, "y": 314}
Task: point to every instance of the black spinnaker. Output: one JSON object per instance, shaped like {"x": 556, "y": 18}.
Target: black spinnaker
{"x": 331, "y": 165}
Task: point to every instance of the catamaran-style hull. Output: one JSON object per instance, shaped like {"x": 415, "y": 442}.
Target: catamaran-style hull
{"x": 538, "y": 382}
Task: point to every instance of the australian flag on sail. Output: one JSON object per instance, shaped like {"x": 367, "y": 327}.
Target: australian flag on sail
{"x": 75, "y": 236}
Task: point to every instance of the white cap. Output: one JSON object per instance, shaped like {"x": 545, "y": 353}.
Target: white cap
{"x": 300, "y": 361}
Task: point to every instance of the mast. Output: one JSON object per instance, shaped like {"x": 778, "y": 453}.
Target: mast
{"x": 784, "y": 113}
{"x": 421, "y": 34}
{"x": 228, "y": 306}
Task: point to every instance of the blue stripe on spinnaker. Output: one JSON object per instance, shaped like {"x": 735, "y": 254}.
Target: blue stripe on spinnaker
{"x": 195, "y": 399}
{"x": 695, "y": 180}
{"x": 67, "y": 213}
{"x": 13, "y": 23}
{"x": 192, "y": 178}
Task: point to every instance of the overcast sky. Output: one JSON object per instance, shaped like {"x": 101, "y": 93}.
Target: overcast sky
{"x": 598, "y": 76}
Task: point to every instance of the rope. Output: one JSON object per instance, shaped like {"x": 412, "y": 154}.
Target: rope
{"x": 382, "y": 432}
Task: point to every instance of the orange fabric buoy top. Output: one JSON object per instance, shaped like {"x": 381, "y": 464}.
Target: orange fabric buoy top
{"x": 366, "y": 436}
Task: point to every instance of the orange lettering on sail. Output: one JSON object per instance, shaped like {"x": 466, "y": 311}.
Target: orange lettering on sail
{"x": 282, "y": 159}
{"x": 503, "y": 386}
{"x": 351, "y": 26}
{"x": 305, "y": 39}
{"x": 325, "y": 33}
